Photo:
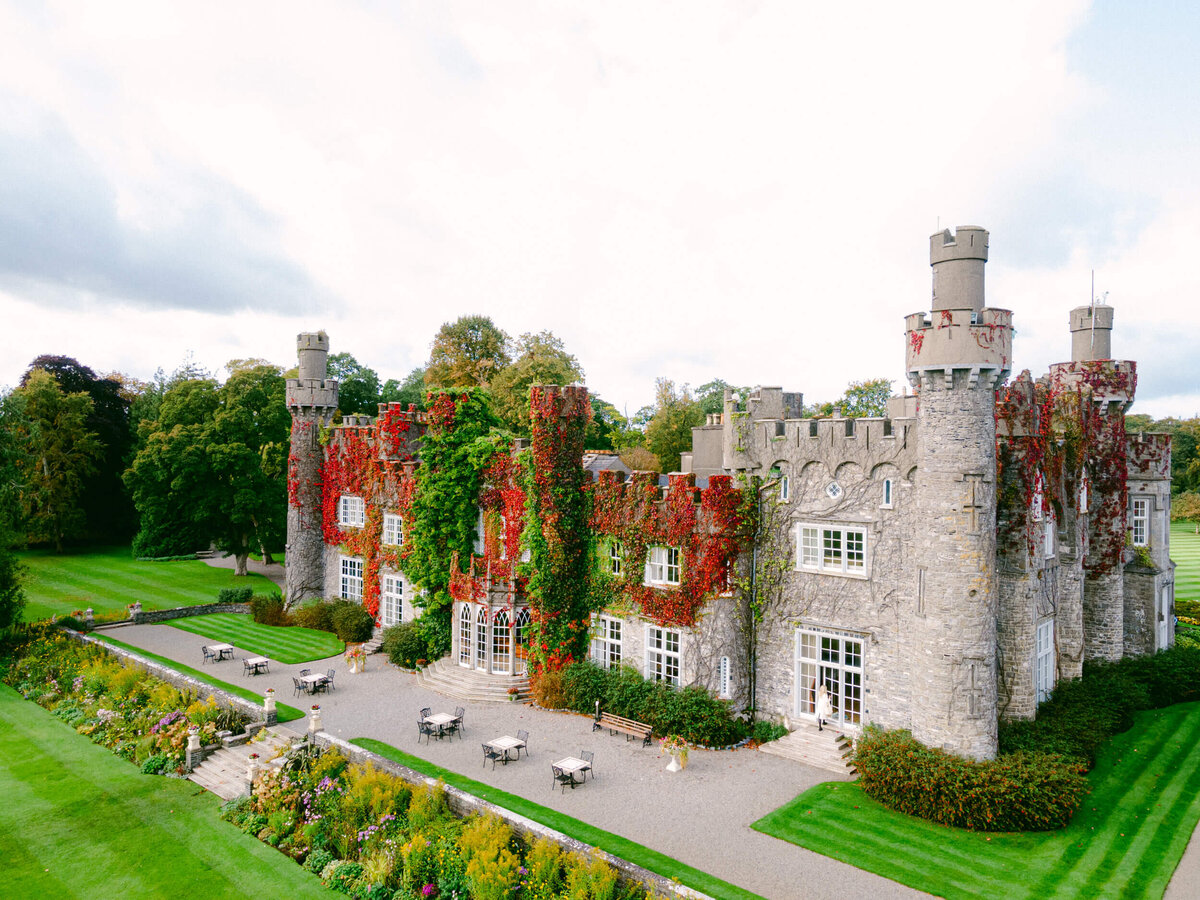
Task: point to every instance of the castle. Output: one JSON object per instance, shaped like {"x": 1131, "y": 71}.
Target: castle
{"x": 935, "y": 569}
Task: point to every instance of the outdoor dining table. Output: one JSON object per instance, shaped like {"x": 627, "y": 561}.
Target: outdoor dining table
{"x": 441, "y": 720}
{"x": 506, "y": 743}
{"x": 314, "y": 682}
{"x": 572, "y": 765}
{"x": 223, "y": 651}
{"x": 256, "y": 665}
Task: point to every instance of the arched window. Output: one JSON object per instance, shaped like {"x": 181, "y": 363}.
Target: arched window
{"x": 481, "y": 639}
{"x": 521, "y": 640}
{"x": 501, "y": 643}
{"x": 464, "y": 635}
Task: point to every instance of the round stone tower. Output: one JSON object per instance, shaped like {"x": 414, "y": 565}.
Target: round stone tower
{"x": 956, "y": 357}
{"x": 312, "y": 400}
{"x": 1109, "y": 384}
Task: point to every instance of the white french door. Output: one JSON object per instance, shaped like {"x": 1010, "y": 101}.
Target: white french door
{"x": 835, "y": 660}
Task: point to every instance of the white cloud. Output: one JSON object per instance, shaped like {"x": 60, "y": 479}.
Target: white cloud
{"x": 691, "y": 190}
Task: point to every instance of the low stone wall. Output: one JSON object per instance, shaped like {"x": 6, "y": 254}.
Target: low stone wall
{"x": 255, "y": 711}
{"x": 465, "y": 804}
{"x": 154, "y": 616}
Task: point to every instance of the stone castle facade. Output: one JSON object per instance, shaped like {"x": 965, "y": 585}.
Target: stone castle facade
{"x": 935, "y": 569}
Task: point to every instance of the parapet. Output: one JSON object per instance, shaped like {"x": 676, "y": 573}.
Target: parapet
{"x": 977, "y": 343}
{"x": 1112, "y": 381}
{"x": 1148, "y": 456}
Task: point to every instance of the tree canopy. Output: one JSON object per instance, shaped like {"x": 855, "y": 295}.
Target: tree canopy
{"x": 540, "y": 359}
{"x": 60, "y": 453}
{"x": 468, "y": 352}
{"x": 669, "y": 431}
{"x": 358, "y": 385}
{"x": 409, "y": 392}
{"x": 213, "y": 467}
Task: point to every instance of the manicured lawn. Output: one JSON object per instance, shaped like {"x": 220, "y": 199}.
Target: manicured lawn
{"x": 77, "y": 821}
{"x": 283, "y": 712}
{"x": 287, "y": 644}
{"x": 110, "y": 579}
{"x": 1125, "y": 841}
{"x": 596, "y": 837}
{"x": 1185, "y": 550}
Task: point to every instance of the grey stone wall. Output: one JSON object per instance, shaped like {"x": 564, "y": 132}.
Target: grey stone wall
{"x": 154, "y": 616}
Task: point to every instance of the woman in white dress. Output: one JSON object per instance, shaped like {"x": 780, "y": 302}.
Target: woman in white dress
{"x": 824, "y": 708}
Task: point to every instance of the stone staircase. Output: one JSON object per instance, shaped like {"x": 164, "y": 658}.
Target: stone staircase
{"x": 450, "y": 680}
{"x": 376, "y": 641}
{"x": 828, "y": 749}
{"x": 223, "y": 772}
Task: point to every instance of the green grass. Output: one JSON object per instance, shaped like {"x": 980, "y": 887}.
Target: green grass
{"x": 109, "y": 579}
{"x": 582, "y": 831}
{"x": 77, "y": 821}
{"x": 1125, "y": 841}
{"x": 283, "y": 712}
{"x": 288, "y": 644}
{"x": 1185, "y": 550}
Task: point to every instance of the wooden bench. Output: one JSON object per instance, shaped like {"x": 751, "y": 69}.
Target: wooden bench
{"x": 625, "y": 726}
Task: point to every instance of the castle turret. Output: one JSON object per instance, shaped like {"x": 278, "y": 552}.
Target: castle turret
{"x": 312, "y": 399}
{"x": 1109, "y": 385}
{"x": 956, "y": 358}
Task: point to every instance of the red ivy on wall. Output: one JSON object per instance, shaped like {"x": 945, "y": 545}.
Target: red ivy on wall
{"x": 705, "y": 525}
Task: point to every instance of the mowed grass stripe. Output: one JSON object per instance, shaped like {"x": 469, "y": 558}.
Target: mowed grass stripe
{"x": 288, "y": 644}
{"x": 1185, "y": 550}
{"x": 1137, "y": 837}
{"x": 1088, "y": 858}
{"x": 907, "y": 855}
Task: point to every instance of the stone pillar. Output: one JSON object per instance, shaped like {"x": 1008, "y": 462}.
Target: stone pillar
{"x": 252, "y": 771}
{"x": 194, "y": 754}
{"x": 270, "y": 716}
{"x": 314, "y": 720}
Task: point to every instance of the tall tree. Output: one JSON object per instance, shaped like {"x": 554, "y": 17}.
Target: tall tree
{"x": 468, "y": 352}
{"x": 12, "y": 594}
{"x": 213, "y": 467}
{"x": 358, "y": 385}
{"x": 669, "y": 431}
{"x": 409, "y": 392}
{"x": 866, "y": 398}
{"x": 107, "y": 510}
{"x": 60, "y": 453}
{"x": 540, "y": 359}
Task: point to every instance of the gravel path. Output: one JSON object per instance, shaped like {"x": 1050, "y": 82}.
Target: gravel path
{"x": 700, "y": 816}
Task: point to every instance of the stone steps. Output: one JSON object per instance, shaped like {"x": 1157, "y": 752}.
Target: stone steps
{"x": 829, "y": 749}
{"x": 223, "y": 772}
{"x": 450, "y": 680}
{"x": 376, "y": 642}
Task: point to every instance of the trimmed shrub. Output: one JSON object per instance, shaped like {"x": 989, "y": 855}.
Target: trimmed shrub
{"x": 765, "y": 731}
{"x": 268, "y": 609}
{"x": 234, "y": 594}
{"x": 1015, "y": 792}
{"x": 352, "y": 623}
{"x": 404, "y": 645}
{"x": 318, "y": 614}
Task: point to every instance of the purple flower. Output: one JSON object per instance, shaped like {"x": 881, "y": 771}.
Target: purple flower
{"x": 428, "y": 890}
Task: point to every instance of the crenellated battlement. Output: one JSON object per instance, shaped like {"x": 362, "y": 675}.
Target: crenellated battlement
{"x": 1148, "y": 456}
{"x": 1112, "y": 382}
{"x": 977, "y": 344}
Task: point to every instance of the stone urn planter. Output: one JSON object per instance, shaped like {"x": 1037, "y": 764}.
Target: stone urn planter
{"x": 356, "y": 658}
{"x": 677, "y": 748}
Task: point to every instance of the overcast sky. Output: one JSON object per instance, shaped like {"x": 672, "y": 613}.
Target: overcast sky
{"x": 692, "y": 190}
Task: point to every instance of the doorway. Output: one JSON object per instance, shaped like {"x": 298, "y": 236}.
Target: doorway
{"x": 835, "y": 660}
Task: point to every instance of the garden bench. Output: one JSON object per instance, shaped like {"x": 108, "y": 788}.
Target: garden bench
{"x": 628, "y": 727}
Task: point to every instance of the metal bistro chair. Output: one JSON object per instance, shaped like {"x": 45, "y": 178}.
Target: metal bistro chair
{"x": 523, "y": 736}
{"x": 427, "y": 729}
{"x": 490, "y": 752}
{"x": 426, "y": 711}
{"x": 459, "y": 712}
{"x": 304, "y": 672}
{"x": 299, "y": 687}
{"x": 209, "y": 656}
{"x": 329, "y": 680}
{"x": 562, "y": 778}
{"x": 589, "y": 757}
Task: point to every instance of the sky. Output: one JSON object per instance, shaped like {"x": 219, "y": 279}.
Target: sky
{"x": 693, "y": 190}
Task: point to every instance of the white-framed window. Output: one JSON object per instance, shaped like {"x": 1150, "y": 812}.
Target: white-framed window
{"x": 1139, "y": 522}
{"x": 479, "y": 541}
{"x": 662, "y": 654}
{"x": 1043, "y": 660}
{"x": 785, "y": 488}
{"x": 351, "y": 511}
{"x": 616, "y": 554}
{"x": 833, "y": 659}
{"x": 832, "y": 549}
{"x": 391, "y": 600}
{"x": 888, "y": 498}
{"x": 393, "y": 530}
{"x": 724, "y": 685}
{"x": 1049, "y": 529}
{"x": 1038, "y": 499}
{"x": 465, "y": 631}
{"x": 606, "y": 645}
{"x": 662, "y": 565}
{"x": 352, "y": 578}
